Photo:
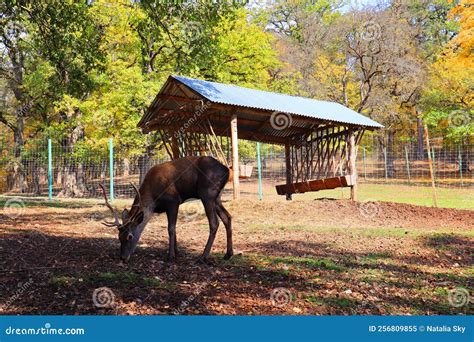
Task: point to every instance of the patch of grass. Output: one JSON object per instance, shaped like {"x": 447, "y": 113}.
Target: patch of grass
{"x": 123, "y": 277}
{"x": 418, "y": 195}
{"x": 377, "y": 256}
{"x": 327, "y": 264}
{"x": 62, "y": 280}
{"x": 369, "y": 274}
{"x": 130, "y": 278}
{"x": 29, "y": 201}
{"x": 460, "y": 280}
{"x": 356, "y": 232}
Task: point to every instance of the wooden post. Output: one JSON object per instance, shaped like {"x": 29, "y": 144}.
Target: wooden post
{"x": 235, "y": 157}
{"x": 430, "y": 163}
{"x": 50, "y": 171}
{"x": 364, "y": 163}
{"x": 259, "y": 167}
{"x": 111, "y": 168}
{"x": 408, "y": 164}
{"x": 352, "y": 164}
{"x": 288, "y": 167}
{"x": 174, "y": 147}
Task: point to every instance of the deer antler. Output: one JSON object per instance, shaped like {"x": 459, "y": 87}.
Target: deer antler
{"x": 138, "y": 193}
{"x": 110, "y": 224}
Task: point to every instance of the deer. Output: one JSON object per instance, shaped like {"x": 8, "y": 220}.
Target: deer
{"x": 165, "y": 187}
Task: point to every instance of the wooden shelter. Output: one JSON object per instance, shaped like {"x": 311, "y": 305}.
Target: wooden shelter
{"x": 320, "y": 137}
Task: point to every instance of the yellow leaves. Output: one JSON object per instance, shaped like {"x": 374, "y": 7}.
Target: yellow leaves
{"x": 244, "y": 52}
{"x": 452, "y": 75}
{"x": 334, "y": 75}
{"x": 463, "y": 13}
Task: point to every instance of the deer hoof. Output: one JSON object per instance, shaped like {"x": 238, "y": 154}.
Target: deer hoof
{"x": 227, "y": 256}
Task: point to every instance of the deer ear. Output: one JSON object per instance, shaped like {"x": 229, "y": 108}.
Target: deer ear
{"x": 139, "y": 218}
{"x": 124, "y": 215}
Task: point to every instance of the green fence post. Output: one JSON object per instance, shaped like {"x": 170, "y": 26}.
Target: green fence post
{"x": 434, "y": 163}
{"x": 259, "y": 167}
{"x": 385, "y": 160}
{"x": 363, "y": 163}
{"x": 460, "y": 164}
{"x": 50, "y": 171}
{"x": 111, "y": 167}
{"x": 408, "y": 164}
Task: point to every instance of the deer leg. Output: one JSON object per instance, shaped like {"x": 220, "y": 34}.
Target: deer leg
{"x": 210, "y": 208}
{"x": 176, "y": 246}
{"x": 227, "y": 220}
{"x": 172, "y": 214}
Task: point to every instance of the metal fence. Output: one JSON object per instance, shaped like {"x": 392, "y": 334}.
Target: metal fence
{"x": 78, "y": 172}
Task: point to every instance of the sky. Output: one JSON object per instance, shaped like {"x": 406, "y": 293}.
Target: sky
{"x": 361, "y": 3}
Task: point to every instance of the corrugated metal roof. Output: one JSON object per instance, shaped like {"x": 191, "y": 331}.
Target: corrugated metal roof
{"x": 259, "y": 99}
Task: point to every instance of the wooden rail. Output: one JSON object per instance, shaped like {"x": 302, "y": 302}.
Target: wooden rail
{"x": 315, "y": 185}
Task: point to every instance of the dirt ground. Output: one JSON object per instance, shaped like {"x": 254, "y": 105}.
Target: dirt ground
{"x": 300, "y": 257}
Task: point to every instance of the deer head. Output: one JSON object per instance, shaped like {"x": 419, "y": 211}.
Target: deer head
{"x": 131, "y": 227}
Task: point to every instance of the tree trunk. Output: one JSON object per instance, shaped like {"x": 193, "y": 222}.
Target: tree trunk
{"x": 126, "y": 167}
{"x": 72, "y": 186}
{"x": 18, "y": 181}
{"x": 390, "y": 153}
{"x": 144, "y": 161}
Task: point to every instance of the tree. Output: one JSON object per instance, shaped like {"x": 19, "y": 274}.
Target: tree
{"x": 449, "y": 101}
{"x": 50, "y": 50}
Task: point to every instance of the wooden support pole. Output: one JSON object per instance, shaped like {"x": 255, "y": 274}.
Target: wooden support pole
{"x": 235, "y": 157}
{"x": 174, "y": 146}
{"x": 288, "y": 167}
{"x": 352, "y": 164}
{"x": 430, "y": 163}
{"x": 407, "y": 159}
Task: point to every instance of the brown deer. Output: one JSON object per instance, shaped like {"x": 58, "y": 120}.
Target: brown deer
{"x": 164, "y": 188}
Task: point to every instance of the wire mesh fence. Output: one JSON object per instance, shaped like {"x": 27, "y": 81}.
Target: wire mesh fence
{"x": 77, "y": 172}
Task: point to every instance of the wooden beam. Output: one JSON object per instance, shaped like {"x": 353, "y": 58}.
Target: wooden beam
{"x": 174, "y": 146}
{"x": 300, "y": 118}
{"x": 235, "y": 157}
{"x": 352, "y": 163}
{"x": 314, "y": 185}
{"x": 180, "y": 98}
{"x": 288, "y": 167}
